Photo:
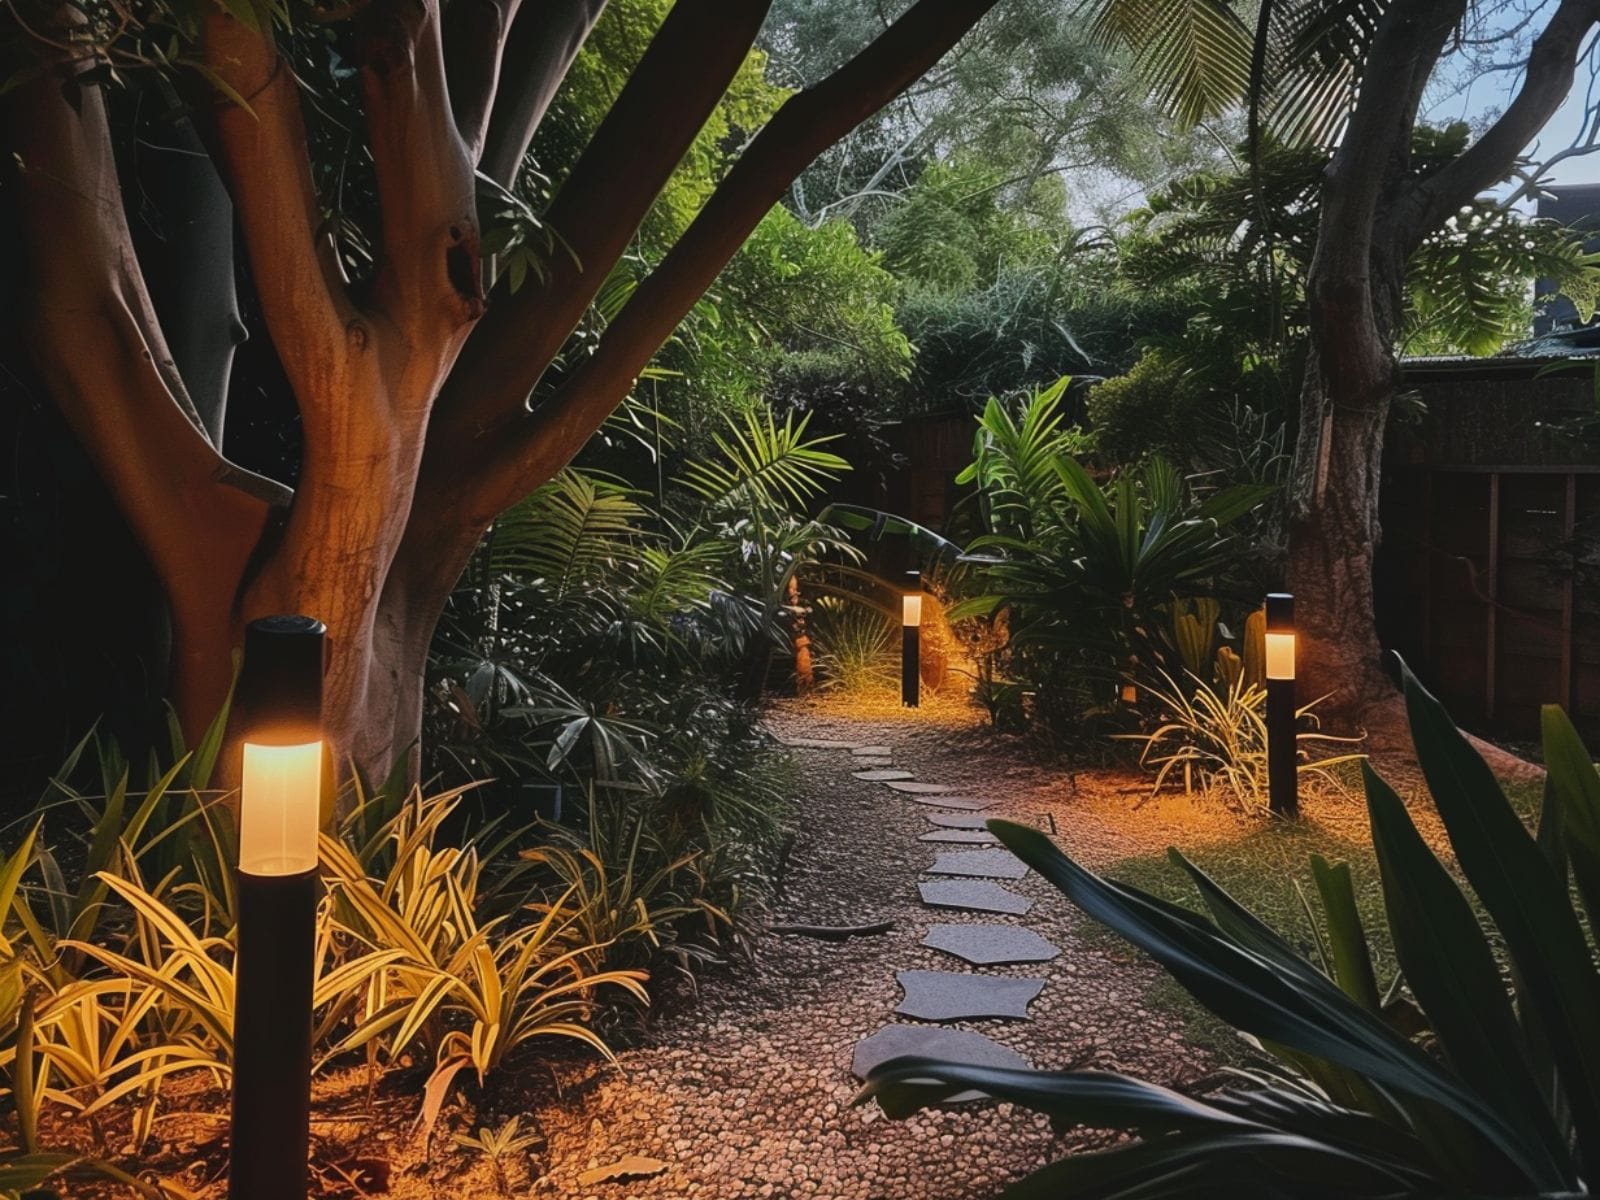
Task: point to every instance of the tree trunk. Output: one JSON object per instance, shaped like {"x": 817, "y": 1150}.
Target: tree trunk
{"x": 1332, "y": 546}
{"x": 1352, "y": 373}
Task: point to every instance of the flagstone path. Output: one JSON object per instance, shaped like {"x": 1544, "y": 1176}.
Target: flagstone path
{"x": 745, "y": 1090}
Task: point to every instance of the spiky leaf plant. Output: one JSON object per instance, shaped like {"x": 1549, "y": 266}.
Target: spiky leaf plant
{"x": 1503, "y": 1100}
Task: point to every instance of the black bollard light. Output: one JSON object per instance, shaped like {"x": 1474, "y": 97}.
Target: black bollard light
{"x": 911, "y": 641}
{"x": 1283, "y": 776}
{"x": 278, "y": 709}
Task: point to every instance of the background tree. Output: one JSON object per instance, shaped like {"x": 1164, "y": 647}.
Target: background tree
{"x": 1352, "y": 76}
{"x": 432, "y": 394}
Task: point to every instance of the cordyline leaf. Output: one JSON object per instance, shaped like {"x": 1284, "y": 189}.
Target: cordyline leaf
{"x": 1453, "y": 974}
{"x": 1299, "y": 1009}
{"x": 1524, "y": 896}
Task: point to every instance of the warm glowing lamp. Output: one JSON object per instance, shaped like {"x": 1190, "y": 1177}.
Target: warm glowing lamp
{"x": 911, "y": 641}
{"x": 1282, "y": 769}
{"x": 280, "y": 807}
{"x": 278, "y": 712}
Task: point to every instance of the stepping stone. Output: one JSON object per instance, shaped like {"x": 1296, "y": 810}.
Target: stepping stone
{"x": 864, "y": 762}
{"x": 820, "y": 744}
{"x": 958, "y": 820}
{"x": 922, "y": 789}
{"x": 991, "y": 945}
{"x": 967, "y": 837}
{"x": 987, "y": 864}
{"x": 978, "y": 895}
{"x": 882, "y": 775}
{"x": 959, "y": 996}
{"x": 872, "y": 751}
{"x": 969, "y": 803}
{"x": 930, "y": 1041}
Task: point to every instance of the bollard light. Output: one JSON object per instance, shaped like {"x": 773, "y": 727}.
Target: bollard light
{"x": 278, "y": 711}
{"x": 1283, "y": 776}
{"x": 911, "y": 641}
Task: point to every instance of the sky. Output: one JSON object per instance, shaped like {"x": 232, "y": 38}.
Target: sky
{"x": 1485, "y": 92}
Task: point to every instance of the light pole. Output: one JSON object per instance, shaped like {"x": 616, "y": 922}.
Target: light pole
{"x": 1283, "y": 783}
{"x": 278, "y": 708}
{"x": 911, "y": 641}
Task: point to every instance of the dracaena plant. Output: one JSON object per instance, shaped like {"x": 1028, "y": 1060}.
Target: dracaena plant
{"x": 1502, "y": 1098}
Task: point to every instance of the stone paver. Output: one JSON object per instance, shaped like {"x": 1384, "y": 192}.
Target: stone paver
{"x": 872, "y": 751}
{"x": 979, "y": 895}
{"x": 960, "y": 996}
{"x": 991, "y": 945}
{"x": 883, "y": 774}
{"x": 922, "y": 789}
{"x": 984, "y": 864}
{"x": 930, "y": 1041}
{"x": 967, "y": 803}
{"x": 966, "y": 837}
{"x": 958, "y": 820}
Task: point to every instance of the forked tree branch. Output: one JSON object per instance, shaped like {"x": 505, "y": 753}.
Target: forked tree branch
{"x": 99, "y": 347}
{"x": 1552, "y": 66}
{"x": 268, "y": 172}
{"x": 809, "y": 122}
{"x": 428, "y": 274}
{"x": 543, "y": 40}
{"x": 662, "y": 108}
{"x": 475, "y": 33}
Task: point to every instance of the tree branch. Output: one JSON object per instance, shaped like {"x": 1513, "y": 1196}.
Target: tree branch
{"x": 1552, "y": 65}
{"x": 540, "y": 45}
{"x": 475, "y": 33}
{"x": 426, "y": 195}
{"x": 662, "y": 108}
{"x": 98, "y": 346}
{"x": 548, "y": 438}
{"x": 268, "y": 169}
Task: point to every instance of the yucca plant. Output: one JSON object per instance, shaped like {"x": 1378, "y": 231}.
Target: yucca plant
{"x": 1215, "y": 740}
{"x": 473, "y": 989}
{"x": 1502, "y": 1100}
{"x": 855, "y": 643}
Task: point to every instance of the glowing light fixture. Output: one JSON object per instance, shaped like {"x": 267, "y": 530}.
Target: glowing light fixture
{"x": 911, "y": 608}
{"x": 279, "y": 810}
{"x": 278, "y": 712}
{"x": 911, "y": 641}
{"x": 1283, "y": 782}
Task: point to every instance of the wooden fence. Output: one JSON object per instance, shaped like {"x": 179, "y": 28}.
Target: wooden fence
{"x": 1487, "y": 581}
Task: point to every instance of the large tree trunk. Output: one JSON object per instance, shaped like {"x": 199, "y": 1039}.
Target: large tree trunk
{"x": 1334, "y": 529}
{"x": 414, "y": 416}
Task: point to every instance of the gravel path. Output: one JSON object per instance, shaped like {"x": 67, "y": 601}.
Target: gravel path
{"x": 747, "y": 1092}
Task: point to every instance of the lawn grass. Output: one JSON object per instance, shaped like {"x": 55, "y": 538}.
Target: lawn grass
{"x": 1267, "y": 869}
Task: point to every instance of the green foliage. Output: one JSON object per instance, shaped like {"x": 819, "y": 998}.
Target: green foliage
{"x": 1081, "y": 577}
{"x": 1468, "y": 282}
{"x": 614, "y": 648}
{"x": 1505, "y": 1105}
{"x": 1015, "y": 458}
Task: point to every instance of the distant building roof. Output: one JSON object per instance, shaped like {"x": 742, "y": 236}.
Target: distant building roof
{"x": 1576, "y": 205}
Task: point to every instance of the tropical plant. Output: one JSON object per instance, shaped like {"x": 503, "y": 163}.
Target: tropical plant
{"x": 1499, "y": 1101}
{"x": 1093, "y": 579}
{"x": 1215, "y": 740}
{"x": 1014, "y": 461}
